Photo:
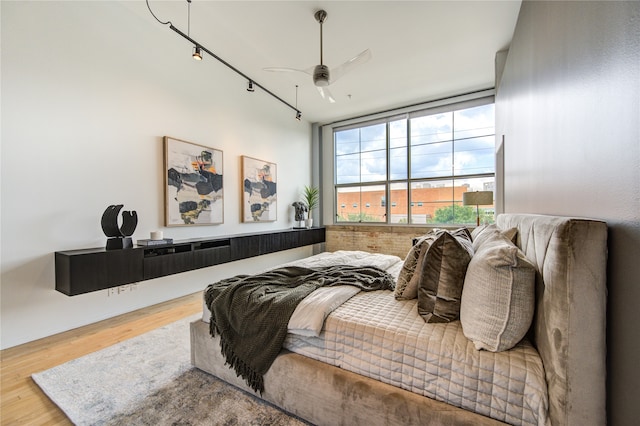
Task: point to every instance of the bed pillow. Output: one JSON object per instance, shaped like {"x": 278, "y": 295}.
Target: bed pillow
{"x": 405, "y": 291}
{"x": 442, "y": 276}
{"x": 485, "y": 232}
{"x": 478, "y": 230}
{"x": 498, "y": 297}
{"x": 308, "y": 317}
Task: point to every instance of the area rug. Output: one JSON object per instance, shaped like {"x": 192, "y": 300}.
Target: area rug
{"x": 149, "y": 380}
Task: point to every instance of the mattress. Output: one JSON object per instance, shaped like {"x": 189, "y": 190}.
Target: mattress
{"x": 375, "y": 335}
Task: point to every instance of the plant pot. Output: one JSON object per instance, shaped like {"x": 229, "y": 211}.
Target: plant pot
{"x": 308, "y": 223}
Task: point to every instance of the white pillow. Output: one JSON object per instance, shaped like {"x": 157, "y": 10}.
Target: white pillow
{"x": 308, "y": 317}
{"x": 498, "y": 296}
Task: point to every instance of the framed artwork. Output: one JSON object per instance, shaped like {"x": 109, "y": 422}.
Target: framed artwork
{"x": 193, "y": 184}
{"x": 259, "y": 190}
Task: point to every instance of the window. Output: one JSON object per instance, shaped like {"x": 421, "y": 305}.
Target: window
{"x": 422, "y": 161}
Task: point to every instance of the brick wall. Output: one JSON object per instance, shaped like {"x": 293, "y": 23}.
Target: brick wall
{"x": 396, "y": 240}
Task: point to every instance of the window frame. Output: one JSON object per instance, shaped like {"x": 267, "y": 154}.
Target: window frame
{"x": 455, "y": 104}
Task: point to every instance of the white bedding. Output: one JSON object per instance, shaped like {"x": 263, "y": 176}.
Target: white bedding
{"x": 375, "y": 335}
{"x": 308, "y": 317}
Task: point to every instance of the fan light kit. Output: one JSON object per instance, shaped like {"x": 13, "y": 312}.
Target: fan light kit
{"x": 321, "y": 74}
{"x": 199, "y": 48}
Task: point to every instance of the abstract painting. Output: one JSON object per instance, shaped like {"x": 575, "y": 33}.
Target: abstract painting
{"x": 259, "y": 190}
{"x": 193, "y": 184}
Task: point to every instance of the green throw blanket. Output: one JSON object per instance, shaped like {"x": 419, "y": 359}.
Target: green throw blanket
{"x": 251, "y": 312}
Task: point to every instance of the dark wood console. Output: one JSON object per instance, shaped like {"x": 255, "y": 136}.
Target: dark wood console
{"x": 83, "y": 271}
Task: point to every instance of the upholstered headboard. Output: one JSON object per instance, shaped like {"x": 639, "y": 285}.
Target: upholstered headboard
{"x": 570, "y": 320}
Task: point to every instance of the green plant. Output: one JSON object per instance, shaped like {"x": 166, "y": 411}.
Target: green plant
{"x": 455, "y": 214}
{"x": 311, "y": 197}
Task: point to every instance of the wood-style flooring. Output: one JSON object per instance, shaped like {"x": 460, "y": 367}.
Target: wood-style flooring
{"x": 22, "y": 401}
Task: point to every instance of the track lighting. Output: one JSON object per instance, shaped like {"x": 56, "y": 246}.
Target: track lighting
{"x": 199, "y": 48}
{"x": 298, "y": 113}
{"x": 197, "y": 53}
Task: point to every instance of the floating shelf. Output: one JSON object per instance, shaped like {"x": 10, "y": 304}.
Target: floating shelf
{"x": 87, "y": 270}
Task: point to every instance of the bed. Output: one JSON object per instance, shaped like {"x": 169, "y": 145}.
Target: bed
{"x": 394, "y": 368}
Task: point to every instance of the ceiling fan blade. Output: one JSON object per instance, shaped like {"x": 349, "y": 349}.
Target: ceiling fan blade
{"x": 282, "y": 69}
{"x": 341, "y": 70}
{"x": 326, "y": 94}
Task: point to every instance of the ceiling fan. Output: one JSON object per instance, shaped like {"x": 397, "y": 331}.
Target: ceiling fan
{"x": 322, "y": 75}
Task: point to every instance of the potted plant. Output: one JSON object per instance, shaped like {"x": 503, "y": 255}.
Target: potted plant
{"x": 311, "y": 197}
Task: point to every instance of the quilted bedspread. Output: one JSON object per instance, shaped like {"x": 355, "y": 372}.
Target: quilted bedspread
{"x": 377, "y": 336}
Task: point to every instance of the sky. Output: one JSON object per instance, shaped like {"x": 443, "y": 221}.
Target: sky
{"x": 441, "y": 145}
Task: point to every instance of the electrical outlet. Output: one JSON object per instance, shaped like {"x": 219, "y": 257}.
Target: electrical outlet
{"x": 113, "y": 291}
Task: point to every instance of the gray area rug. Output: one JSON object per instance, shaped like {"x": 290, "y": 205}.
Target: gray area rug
{"x": 149, "y": 380}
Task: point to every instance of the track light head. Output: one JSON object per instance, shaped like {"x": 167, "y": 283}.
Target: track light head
{"x": 197, "y": 53}
{"x": 250, "y": 87}
{"x": 298, "y": 115}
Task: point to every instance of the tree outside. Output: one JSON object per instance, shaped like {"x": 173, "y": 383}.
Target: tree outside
{"x": 456, "y": 214}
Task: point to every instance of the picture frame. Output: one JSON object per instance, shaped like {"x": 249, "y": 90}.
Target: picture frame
{"x": 259, "y": 190}
{"x": 193, "y": 183}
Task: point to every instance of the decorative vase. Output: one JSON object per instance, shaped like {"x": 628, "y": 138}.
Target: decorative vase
{"x": 308, "y": 223}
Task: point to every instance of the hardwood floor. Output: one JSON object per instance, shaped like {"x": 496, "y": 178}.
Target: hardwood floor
{"x": 22, "y": 400}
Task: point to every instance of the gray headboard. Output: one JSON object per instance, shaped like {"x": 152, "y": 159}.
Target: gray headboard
{"x": 570, "y": 319}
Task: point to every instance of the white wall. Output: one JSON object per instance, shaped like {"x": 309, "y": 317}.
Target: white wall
{"x": 88, "y": 91}
{"x": 569, "y": 109}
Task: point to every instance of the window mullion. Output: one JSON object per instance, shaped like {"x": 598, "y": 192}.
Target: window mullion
{"x": 387, "y": 192}
{"x": 453, "y": 162}
{"x": 360, "y": 155}
{"x": 409, "y": 218}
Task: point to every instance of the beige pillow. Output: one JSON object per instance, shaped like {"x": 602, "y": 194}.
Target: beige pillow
{"x": 406, "y": 288}
{"x": 498, "y": 297}
{"x": 442, "y": 276}
{"x": 478, "y": 230}
{"x": 486, "y": 232}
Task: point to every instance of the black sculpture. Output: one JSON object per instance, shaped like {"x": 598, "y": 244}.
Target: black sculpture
{"x": 301, "y": 208}
{"x": 119, "y": 237}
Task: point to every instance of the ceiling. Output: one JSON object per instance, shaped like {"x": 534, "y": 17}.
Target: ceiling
{"x": 421, "y": 50}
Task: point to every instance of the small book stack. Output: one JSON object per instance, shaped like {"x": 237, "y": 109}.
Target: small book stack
{"x": 155, "y": 242}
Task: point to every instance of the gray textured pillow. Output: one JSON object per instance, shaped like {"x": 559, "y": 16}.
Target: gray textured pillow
{"x": 406, "y": 285}
{"x": 442, "y": 276}
{"x": 498, "y": 297}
